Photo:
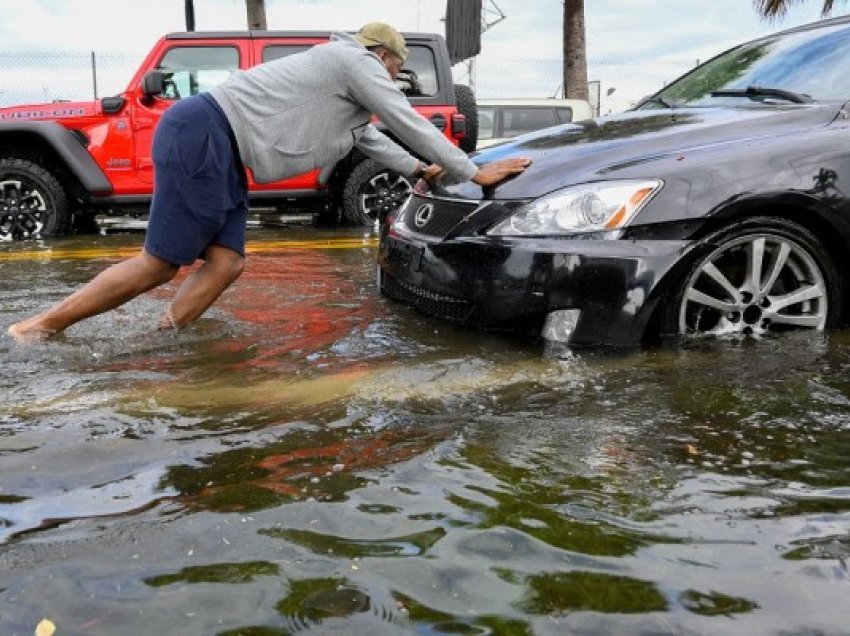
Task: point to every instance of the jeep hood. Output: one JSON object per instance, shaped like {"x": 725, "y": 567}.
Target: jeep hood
{"x": 53, "y": 111}
{"x": 598, "y": 149}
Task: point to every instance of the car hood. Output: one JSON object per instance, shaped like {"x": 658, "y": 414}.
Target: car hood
{"x": 598, "y": 149}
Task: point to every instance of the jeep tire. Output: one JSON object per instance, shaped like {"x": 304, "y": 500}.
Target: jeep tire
{"x": 372, "y": 191}
{"x": 32, "y": 201}
{"x": 468, "y": 106}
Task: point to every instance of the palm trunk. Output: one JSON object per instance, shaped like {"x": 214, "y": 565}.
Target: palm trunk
{"x": 256, "y": 14}
{"x": 575, "y": 53}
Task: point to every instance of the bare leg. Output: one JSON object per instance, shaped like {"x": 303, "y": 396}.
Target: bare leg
{"x": 221, "y": 267}
{"x": 109, "y": 289}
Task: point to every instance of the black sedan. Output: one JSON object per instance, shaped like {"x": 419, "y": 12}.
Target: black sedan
{"x": 715, "y": 207}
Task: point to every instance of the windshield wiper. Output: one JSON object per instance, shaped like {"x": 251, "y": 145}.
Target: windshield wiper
{"x": 764, "y": 91}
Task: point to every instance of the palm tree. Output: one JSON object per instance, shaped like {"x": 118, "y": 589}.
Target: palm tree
{"x": 777, "y": 8}
{"x": 256, "y": 14}
{"x": 575, "y": 50}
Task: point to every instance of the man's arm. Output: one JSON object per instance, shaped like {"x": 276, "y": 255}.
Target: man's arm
{"x": 385, "y": 151}
{"x": 370, "y": 85}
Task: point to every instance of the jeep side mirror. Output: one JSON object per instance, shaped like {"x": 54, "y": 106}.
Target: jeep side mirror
{"x": 408, "y": 82}
{"x": 153, "y": 84}
{"x": 112, "y": 105}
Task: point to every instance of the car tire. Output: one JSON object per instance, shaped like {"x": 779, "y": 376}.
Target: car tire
{"x": 372, "y": 191}
{"x": 798, "y": 283}
{"x": 468, "y": 106}
{"x": 32, "y": 201}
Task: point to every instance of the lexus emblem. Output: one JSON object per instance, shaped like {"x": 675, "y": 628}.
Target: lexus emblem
{"x": 423, "y": 215}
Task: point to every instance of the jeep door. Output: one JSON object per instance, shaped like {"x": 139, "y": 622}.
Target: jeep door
{"x": 189, "y": 67}
{"x": 266, "y": 49}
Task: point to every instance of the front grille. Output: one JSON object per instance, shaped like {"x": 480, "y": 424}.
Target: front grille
{"x": 444, "y": 216}
{"x": 428, "y": 302}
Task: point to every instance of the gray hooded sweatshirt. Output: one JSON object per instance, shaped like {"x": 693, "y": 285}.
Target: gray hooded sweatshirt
{"x": 308, "y": 110}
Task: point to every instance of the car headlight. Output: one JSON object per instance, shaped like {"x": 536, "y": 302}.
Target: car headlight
{"x": 589, "y": 207}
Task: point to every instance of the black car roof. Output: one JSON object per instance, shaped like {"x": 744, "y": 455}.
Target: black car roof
{"x": 842, "y": 19}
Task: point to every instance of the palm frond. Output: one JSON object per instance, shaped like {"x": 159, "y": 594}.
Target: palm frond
{"x": 773, "y": 9}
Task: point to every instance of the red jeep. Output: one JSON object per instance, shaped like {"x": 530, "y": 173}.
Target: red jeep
{"x": 64, "y": 162}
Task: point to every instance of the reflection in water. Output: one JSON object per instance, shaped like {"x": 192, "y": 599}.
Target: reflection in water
{"x": 311, "y": 457}
{"x": 574, "y": 591}
{"x": 217, "y": 573}
{"x": 411, "y": 545}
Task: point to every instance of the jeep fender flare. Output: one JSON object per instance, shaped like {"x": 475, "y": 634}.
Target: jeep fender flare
{"x": 67, "y": 147}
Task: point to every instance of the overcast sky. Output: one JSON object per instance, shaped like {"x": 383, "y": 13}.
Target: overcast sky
{"x": 633, "y": 47}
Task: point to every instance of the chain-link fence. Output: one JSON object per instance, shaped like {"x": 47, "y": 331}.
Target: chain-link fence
{"x": 35, "y": 78}
{"x": 28, "y": 78}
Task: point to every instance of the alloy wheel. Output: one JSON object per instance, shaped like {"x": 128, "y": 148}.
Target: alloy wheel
{"x": 754, "y": 283}
{"x": 384, "y": 193}
{"x": 22, "y": 210}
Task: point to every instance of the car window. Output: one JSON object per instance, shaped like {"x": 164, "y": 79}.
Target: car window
{"x": 486, "y": 121}
{"x": 190, "y": 70}
{"x": 276, "y": 51}
{"x": 814, "y": 62}
{"x": 522, "y": 119}
{"x": 564, "y": 114}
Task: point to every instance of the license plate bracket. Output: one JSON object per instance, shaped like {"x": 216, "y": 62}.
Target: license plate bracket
{"x": 406, "y": 254}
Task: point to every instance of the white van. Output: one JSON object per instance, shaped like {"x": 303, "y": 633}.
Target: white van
{"x": 501, "y": 119}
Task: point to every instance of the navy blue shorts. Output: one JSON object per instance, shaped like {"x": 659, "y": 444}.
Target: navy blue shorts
{"x": 200, "y": 194}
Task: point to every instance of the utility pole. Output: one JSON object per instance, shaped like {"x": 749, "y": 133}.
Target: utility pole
{"x": 190, "y": 15}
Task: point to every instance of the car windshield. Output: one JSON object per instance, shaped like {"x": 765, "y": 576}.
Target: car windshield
{"x": 813, "y": 64}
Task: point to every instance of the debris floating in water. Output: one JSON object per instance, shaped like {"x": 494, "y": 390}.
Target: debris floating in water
{"x": 45, "y": 628}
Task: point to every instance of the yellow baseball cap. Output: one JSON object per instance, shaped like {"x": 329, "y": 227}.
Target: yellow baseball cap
{"x": 382, "y": 34}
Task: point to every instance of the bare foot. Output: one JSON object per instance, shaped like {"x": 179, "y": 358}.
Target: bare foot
{"x": 167, "y": 322}
{"x": 25, "y": 333}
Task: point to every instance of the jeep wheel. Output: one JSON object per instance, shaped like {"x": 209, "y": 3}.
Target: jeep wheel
{"x": 32, "y": 203}
{"x": 466, "y": 104}
{"x": 371, "y": 192}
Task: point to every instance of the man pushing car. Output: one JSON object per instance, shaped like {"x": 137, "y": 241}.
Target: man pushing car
{"x": 280, "y": 119}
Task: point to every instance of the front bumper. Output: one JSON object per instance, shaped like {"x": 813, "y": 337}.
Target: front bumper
{"x": 513, "y": 284}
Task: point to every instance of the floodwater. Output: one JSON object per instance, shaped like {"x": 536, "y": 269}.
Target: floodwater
{"x": 310, "y": 457}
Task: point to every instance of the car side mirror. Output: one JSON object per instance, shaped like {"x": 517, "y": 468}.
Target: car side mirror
{"x": 153, "y": 84}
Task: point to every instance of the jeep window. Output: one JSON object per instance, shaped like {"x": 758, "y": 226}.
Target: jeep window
{"x": 420, "y": 60}
{"x": 196, "y": 69}
{"x": 421, "y": 82}
{"x": 520, "y": 119}
{"x": 812, "y": 62}
{"x": 275, "y": 51}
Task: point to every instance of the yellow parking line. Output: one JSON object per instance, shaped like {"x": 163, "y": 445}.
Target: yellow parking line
{"x": 125, "y": 252}
{"x": 315, "y": 244}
